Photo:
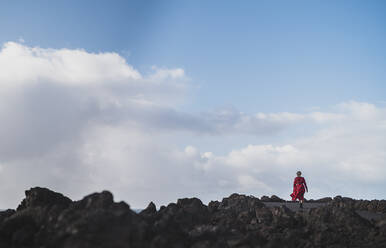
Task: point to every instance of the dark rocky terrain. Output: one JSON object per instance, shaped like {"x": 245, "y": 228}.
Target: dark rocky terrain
{"x": 49, "y": 219}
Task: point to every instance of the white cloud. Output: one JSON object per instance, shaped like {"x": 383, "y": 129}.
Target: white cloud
{"x": 61, "y": 65}
{"x": 361, "y": 110}
{"x": 321, "y": 117}
{"x": 78, "y": 122}
{"x": 163, "y": 73}
{"x": 250, "y": 183}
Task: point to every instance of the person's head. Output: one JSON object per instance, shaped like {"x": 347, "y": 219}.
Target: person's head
{"x": 299, "y": 173}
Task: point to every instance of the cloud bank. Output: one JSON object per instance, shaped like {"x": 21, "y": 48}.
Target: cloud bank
{"x": 78, "y": 122}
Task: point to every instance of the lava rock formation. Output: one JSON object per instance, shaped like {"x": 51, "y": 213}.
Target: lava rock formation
{"x": 46, "y": 219}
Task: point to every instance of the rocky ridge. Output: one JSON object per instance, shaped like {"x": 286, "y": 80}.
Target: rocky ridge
{"x": 46, "y": 219}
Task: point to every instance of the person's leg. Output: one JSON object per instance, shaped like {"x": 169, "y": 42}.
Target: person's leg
{"x": 301, "y": 197}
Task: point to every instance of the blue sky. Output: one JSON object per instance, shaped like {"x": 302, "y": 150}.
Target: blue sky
{"x": 156, "y": 100}
{"x": 258, "y": 55}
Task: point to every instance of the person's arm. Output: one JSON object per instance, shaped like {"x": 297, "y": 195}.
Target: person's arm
{"x": 305, "y": 185}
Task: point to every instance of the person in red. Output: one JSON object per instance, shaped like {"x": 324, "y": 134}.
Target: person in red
{"x": 300, "y": 187}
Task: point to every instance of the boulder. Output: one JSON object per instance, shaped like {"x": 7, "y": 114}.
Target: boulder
{"x": 149, "y": 210}
{"x": 275, "y": 198}
{"x": 42, "y": 197}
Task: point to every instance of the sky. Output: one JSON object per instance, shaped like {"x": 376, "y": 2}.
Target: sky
{"x": 159, "y": 100}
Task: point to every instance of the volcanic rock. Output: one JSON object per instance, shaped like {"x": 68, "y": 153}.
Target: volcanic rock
{"x": 46, "y": 219}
